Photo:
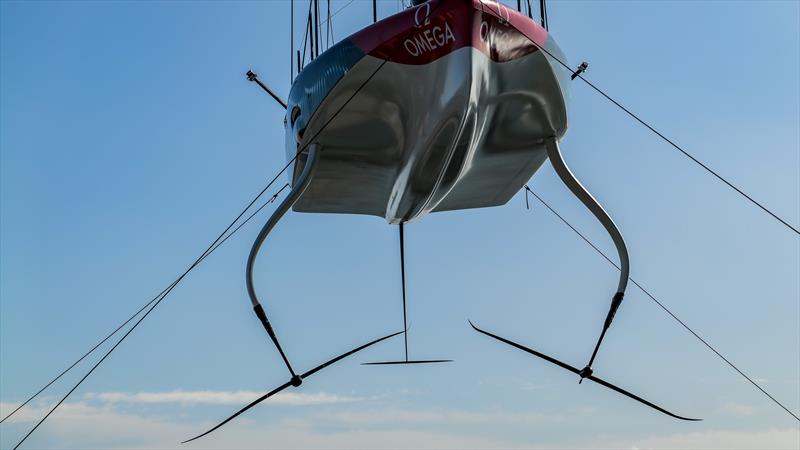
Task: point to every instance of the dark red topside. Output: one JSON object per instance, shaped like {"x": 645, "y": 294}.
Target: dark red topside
{"x": 427, "y": 32}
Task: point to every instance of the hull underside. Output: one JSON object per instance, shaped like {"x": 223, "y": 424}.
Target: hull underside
{"x": 461, "y": 131}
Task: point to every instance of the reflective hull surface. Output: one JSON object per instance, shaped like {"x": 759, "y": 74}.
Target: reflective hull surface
{"x": 444, "y": 106}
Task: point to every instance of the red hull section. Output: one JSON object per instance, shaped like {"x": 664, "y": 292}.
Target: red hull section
{"x": 427, "y": 32}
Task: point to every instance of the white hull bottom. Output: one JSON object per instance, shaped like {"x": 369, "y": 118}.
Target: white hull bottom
{"x": 460, "y": 132}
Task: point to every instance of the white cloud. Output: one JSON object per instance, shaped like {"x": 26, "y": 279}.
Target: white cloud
{"x": 109, "y": 424}
{"x": 81, "y": 425}
{"x": 219, "y": 397}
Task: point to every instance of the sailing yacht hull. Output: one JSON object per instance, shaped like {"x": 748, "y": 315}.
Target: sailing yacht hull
{"x": 444, "y": 106}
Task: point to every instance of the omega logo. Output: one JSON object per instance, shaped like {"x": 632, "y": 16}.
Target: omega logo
{"x": 429, "y": 40}
{"x": 484, "y": 31}
{"x": 427, "y": 19}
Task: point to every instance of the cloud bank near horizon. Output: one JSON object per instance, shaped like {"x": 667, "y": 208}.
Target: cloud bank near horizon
{"x": 103, "y": 420}
{"x": 219, "y": 398}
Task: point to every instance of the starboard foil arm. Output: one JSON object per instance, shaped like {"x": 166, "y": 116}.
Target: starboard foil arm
{"x": 569, "y": 179}
{"x": 296, "y": 192}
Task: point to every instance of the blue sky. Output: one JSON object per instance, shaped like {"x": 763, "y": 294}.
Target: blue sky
{"x": 129, "y": 138}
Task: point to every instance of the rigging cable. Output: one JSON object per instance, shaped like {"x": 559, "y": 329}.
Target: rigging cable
{"x": 340, "y": 10}
{"x": 160, "y": 298}
{"x": 291, "y": 41}
{"x": 310, "y": 30}
{"x": 203, "y": 257}
{"x": 122, "y": 325}
{"x": 333, "y": 38}
{"x": 543, "y": 12}
{"x": 328, "y": 24}
{"x": 316, "y": 28}
{"x": 305, "y": 37}
{"x": 661, "y": 305}
{"x": 664, "y": 138}
{"x": 154, "y": 302}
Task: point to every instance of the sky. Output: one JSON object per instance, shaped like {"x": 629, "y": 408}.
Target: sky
{"x": 130, "y": 137}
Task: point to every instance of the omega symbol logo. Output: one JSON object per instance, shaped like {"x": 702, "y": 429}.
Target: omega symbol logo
{"x": 427, "y": 20}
